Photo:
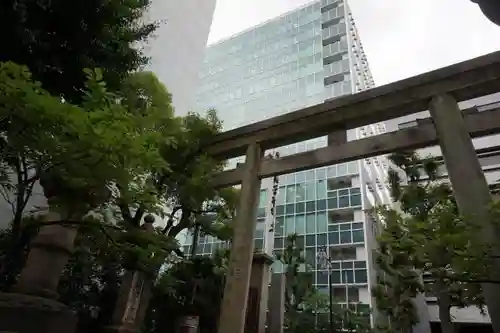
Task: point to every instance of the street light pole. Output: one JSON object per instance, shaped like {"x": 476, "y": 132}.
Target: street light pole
{"x": 324, "y": 261}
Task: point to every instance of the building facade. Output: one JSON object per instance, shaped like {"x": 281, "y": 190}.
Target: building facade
{"x": 178, "y": 46}
{"x": 302, "y": 58}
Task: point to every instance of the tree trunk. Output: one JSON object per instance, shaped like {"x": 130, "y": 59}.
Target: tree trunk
{"x": 444, "y": 306}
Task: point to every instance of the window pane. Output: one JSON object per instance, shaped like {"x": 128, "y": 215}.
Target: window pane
{"x": 356, "y": 200}
{"x": 322, "y": 240}
{"x": 310, "y": 223}
{"x": 280, "y": 210}
{"x": 290, "y": 193}
{"x": 322, "y": 277}
{"x": 361, "y": 276}
{"x": 321, "y": 173}
{"x": 280, "y": 198}
{"x": 310, "y": 206}
{"x": 290, "y": 209}
{"x": 279, "y": 226}
{"x": 333, "y": 238}
{"x": 263, "y": 198}
{"x": 336, "y": 277}
{"x": 278, "y": 242}
{"x": 310, "y": 191}
{"x": 300, "y": 177}
{"x": 321, "y": 205}
{"x": 357, "y": 236}
{"x": 300, "y": 207}
{"x": 348, "y": 276}
{"x": 321, "y": 189}
{"x": 311, "y": 240}
{"x": 321, "y": 222}
{"x": 289, "y": 225}
{"x": 332, "y": 171}
{"x": 300, "y": 224}
{"x": 333, "y": 203}
{"x": 342, "y": 169}
{"x": 345, "y": 237}
{"x": 300, "y": 192}
{"x": 343, "y": 202}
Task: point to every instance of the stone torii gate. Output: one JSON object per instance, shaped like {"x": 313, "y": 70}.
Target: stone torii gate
{"x": 438, "y": 91}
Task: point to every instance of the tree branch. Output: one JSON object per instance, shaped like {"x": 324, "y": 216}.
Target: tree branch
{"x": 171, "y": 218}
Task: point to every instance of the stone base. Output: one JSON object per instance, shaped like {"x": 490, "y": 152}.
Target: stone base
{"x": 31, "y": 314}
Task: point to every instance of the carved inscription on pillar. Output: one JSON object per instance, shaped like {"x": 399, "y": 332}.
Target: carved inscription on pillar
{"x": 134, "y": 298}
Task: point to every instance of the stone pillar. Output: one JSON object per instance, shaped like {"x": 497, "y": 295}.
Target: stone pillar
{"x": 133, "y": 297}
{"x": 276, "y": 304}
{"x": 470, "y": 188}
{"x": 33, "y": 307}
{"x": 258, "y": 293}
{"x": 234, "y": 302}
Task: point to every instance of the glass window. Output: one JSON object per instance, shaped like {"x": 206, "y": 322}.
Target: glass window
{"x": 300, "y": 224}
{"x": 321, "y": 222}
{"x": 321, "y": 205}
{"x": 321, "y": 173}
{"x": 300, "y": 177}
{"x": 332, "y": 171}
{"x": 261, "y": 212}
{"x": 361, "y": 276}
{"x": 280, "y": 210}
{"x": 310, "y": 175}
{"x": 290, "y": 209}
{"x": 290, "y": 179}
{"x": 342, "y": 169}
{"x": 336, "y": 277}
{"x": 345, "y": 237}
{"x": 310, "y": 223}
{"x": 333, "y": 203}
{"x": 300, "y": 192}
{"x": 310, "y": 206}
{"x": 360, "y": 264}
{"x": 290, "y": 193}
{"x": 280, "y": 197}
{"x": 310, "y": 191}
{"x": 289, "y": 225}
{"x": 333, "y": 238}
{"x": 322, "y": 239}
{"x": 348, "y": 276}
{"x": 259, "y": 243}
{"x": 279, "y": 226}
{"x": 311, "y": 240}
{"x": 279, "y": 242}
{"x": 356, "y": 200}
{"x": 263, "y": 198}
{"x": 322, "y": 277}
{"x": 300, "y": 207}
{"x": 357, "y": 236}
{"x": 321, "y": 189}
{"x": 310, "y": 257}
{"x": 343, "y": 202}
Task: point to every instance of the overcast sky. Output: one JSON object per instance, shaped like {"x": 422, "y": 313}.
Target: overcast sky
{"x": 402, "y": 38}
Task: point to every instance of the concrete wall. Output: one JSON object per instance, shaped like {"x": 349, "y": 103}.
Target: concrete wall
{"x": 178, "y": 47}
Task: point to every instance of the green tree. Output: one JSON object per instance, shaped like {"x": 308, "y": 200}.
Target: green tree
{"x": 437, "y": 238}
{"x": 57, "y": 40}
{"x": 80, "y": 154}
{"x": 306, "y": 309}
{"x": 189, "y": 287}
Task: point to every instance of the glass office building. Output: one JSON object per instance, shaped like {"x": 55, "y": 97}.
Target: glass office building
{"x": 299, "y": 59}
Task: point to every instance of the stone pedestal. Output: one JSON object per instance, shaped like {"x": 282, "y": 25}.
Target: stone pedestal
{"x": 258, "y": 293}
{"x": 32, "y": 308}
{"x": 276, "y": 304}
{"x": 133, "y": 297}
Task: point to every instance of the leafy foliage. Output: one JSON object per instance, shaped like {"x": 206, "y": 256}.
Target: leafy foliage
{"x": 430, "y": 237}
{"x": 191, "y": 287}
{"x": 306, "y": 309}
{"x": 57, "y": 39}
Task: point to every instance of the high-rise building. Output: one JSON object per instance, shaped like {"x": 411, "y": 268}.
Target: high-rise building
{"x": 178, "y": 46}
{"x": 299, "y": 59}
